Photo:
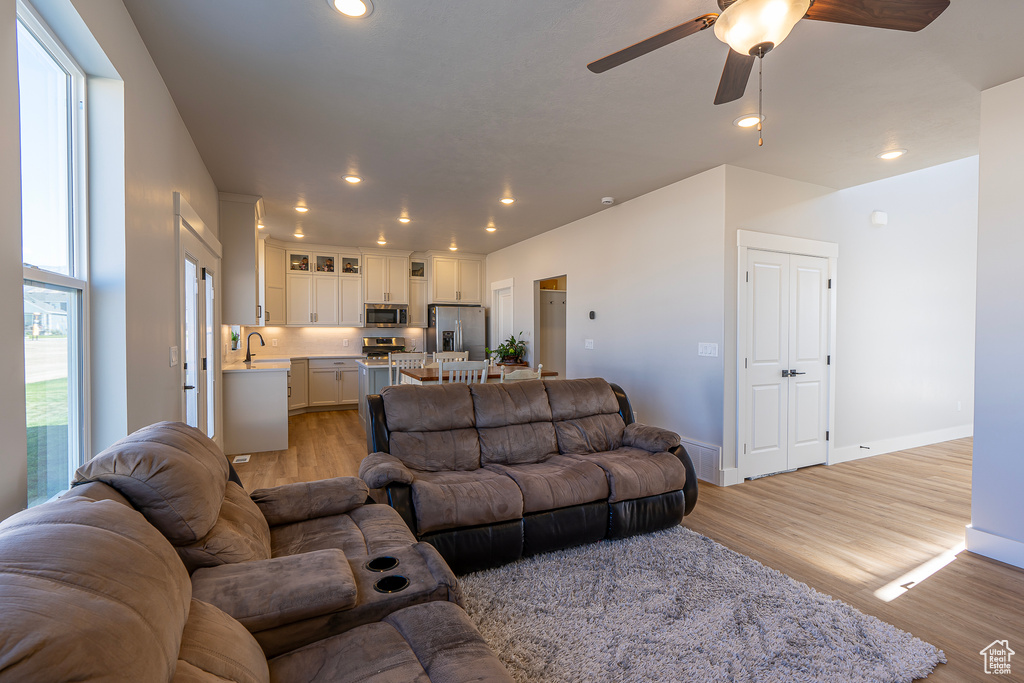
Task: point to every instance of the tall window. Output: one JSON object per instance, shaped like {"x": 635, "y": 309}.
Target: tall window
{"x": 52, "y": 97}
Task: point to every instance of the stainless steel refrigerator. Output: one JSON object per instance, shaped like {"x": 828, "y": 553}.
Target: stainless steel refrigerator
{"x": 457, "y": 328}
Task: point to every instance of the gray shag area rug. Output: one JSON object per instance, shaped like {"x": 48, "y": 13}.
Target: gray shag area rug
{"x": 675, "y": 606}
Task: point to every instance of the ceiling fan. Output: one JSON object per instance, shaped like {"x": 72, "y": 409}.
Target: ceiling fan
{"x": 752, "y": 28}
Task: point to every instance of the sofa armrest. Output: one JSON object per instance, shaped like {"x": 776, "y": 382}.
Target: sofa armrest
{"x": 380, "y": 469}
{"x": 298, "y": 502}
{"x": 263, "y": 594}
{"x": 690, "y": 487}
{"x": 653, "y": 439}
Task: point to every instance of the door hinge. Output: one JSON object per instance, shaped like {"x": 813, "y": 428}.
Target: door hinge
{"x": 830, "y": 283}
{"x": 828, "y": 360}
{"x": 748, "y": 276}
{"x": 744, "y": 449}
{"x": 203, "y": 274}
{"x": 204, "y": 365}
{"x": 744, "y": 363}
{"x": 826, "y": 435}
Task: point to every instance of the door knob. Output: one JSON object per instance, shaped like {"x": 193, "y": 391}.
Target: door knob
{"x": 792, "y": 373}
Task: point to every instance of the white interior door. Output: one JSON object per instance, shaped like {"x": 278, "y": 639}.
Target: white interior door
{"x": 786, "y": 383}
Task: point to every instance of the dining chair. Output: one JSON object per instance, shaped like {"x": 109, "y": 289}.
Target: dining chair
{"x": 465, "y": 371}
{"x": 520, "y": 374}
{"x": 403, "y": 361}
{"x": 447, "y": 357}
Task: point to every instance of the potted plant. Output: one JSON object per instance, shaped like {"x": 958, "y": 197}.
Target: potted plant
{"x": 510, "y": 351}
{"x": 234, "y": 340}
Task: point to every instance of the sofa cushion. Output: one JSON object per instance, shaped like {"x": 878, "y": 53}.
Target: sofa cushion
{"x": 518, "y": 443}
{"x": 497, "y": 405}
{"x": 456, "y": 449}
{"x": 434, "y": 641}
{"x": 573, "y": 398}
{"x": 69, "y": 565}
{"x": 367, "y": 530}
{"x": 217, "y": 644}
{"x": 556, "y": 483}
{"x": 306, "y": 500}
{"x": 634, "y": 473}
{"x": 415, "y": 408}
{"x": 171, "y": 473}
{"x": 241, "y": 534}
{"x": 591, "y": 434}
{"x": 447, "y": 500}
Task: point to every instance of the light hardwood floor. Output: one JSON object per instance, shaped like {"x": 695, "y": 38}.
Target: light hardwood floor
{"x": 846, "y": 530}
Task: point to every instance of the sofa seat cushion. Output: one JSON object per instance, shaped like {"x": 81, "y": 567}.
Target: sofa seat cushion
{"x": 558, "y": 482}
{"x": 634, "y": 473}
{"x": 430, "y": 642}
{"x": 217, "y": 644}
{"x": 448, "y": 500}
{"x": 366, "y": 530}
{"x": 241, "y": 534}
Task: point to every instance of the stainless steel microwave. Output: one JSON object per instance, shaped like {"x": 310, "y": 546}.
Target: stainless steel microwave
{"x": 386, "y": 315}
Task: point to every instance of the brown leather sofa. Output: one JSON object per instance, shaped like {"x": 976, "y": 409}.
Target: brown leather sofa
{"x": 489, "y": 473}
{"x": 97, "y": 585}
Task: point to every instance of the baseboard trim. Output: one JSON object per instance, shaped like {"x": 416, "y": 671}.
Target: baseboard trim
{"x": 899, "y": 443}
{"x": 729, "y": 477}
{"x": 1008, "y": 550}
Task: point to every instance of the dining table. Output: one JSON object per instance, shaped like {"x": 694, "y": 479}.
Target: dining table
{"x": 429, "y": 375}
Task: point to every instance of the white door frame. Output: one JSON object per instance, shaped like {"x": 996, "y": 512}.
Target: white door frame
{"x": 496, "y": 289}
{"x": 746, "y": 240}
{"x": 192, "y": 231}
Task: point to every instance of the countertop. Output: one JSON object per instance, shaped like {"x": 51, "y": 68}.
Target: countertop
{"x": 261, "y": 366}
{"x": 366, "y": 363}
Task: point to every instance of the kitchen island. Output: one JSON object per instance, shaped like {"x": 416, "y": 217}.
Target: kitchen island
{"x": 255, "y": 407}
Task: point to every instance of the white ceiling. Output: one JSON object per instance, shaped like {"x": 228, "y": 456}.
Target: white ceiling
{"x": 445, "y": 106}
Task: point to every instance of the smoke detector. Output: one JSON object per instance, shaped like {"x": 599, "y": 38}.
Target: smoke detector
{"x": 608, "y": 201}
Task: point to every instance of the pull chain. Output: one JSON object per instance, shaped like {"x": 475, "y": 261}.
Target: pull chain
{"x": 760, "y": 94}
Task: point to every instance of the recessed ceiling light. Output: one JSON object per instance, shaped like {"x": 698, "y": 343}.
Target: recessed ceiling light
{"x": 354, "y": 179}
{"x": 508, "y": 200}
{"x": 892, "y": 154}
{"x": 382, "y": 241}
{"x": 356, "y": 9}
{"x": 299, "y": 235}
{"x": 259, "y": 225}
{"x": 747, "y": 120}
{"x": 302, "y": 209}
{"x": 403, "y": 219}
{"x": 453, "y": 248}
{"x": 491, "y": 228}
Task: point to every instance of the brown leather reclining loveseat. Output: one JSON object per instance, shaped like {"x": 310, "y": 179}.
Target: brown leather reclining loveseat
{"x": 489, "y": 473}
{"x": 97, "y": 585}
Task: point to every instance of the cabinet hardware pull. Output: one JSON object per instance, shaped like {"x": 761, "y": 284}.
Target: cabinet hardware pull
{"x": 289, "y": 392}
{"x": 259, "y": 311}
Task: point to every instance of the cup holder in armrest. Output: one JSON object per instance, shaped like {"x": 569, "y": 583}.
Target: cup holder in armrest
{"x": 382, "y": 564}
{"x": 391, "y": 584}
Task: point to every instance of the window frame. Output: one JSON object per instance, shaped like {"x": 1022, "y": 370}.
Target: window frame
{"x": 78, "y": 255}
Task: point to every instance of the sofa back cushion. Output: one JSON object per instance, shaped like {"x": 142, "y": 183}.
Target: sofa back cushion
{"x": 431, "y": 428}
{"x": 586, "y": 415}
{"x": 219, "y": 646}
{"x": 172, "y": 473}
{"x": 90, "y": 591}
{"x": 514, "y": 423}
{"x": 241, "y": 534}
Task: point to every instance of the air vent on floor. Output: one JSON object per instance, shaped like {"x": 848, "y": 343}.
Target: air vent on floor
{"x": 705, "y": 459}
{"x": 239, "y": 459}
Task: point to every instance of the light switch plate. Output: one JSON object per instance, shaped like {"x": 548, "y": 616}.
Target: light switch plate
{"x": 588, "y": 343}
{"x": 174, "y": 356}
{"x": 707, "y": 349}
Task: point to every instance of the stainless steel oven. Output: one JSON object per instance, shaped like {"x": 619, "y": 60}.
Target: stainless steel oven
{"x": 386, "y": 315}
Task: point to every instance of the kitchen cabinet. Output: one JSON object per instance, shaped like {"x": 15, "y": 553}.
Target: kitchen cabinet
{"x": 385, "y": 278}
{"x": 418, "y": 302}
{"x": 312, "y": 300}
{"x": 273, "y": 285}
{"x": 333, "y": 381}
{"x": 242, "y": 295}
{"x": 350, "y": 301}
{"x": 456, "y": 280}
{"x": 256, "y": 409}
{"x": 298, "y": 393}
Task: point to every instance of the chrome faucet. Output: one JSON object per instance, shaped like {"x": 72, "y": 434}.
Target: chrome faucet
{"x": 248, "y": 353}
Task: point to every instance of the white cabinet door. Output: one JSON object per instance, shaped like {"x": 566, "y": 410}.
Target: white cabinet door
{"x": 300, "y": 298}
{"x": 298, "y": 380}
{"x": 469, "y": 281}
{"x": 446, "y": 280}
{"x": 417, "y": 302}
{"x": 398, "y": 280}
{"x": 375, "y": 278}
{"x": 274, "y": 282}
{"x": 323, "y": 386}
{"x": 351, "y": 301}
{"x": 349, "y": 386}
{"x": 325, "y": 296}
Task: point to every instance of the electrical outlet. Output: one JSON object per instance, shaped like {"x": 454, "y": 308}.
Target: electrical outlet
{"x": 588, "y": 343}
{"x": 273, "y": 342}
{"x": 240, "y": 459}
{"x": 344, "y": 342}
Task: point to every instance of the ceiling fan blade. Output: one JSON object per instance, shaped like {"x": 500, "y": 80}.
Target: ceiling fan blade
{"x": 734, "y": 77}
{"x": 898, "y": 15}
{"x": 653, "y": 43}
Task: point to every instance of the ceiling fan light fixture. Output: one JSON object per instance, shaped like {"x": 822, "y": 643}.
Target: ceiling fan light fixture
{"x": 748, "y": 120}
{"x": 891, "y": 154}
{"x": 746, "y": 25}
{"x": 355, "y": 9}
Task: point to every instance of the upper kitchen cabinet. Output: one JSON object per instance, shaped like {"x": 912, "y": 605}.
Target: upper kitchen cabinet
{"x": 242, "y": 302}
{"x": 418, "y": 291}
{"x": 273, "y": 284}
{"x": 456, "y": 279}
{"x": 385, "y": 277}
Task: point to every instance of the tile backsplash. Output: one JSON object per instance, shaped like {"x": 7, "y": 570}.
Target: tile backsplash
{"x": 296, "y": 342}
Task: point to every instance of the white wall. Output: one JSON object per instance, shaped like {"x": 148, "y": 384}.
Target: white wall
{"x": 905, "y": 298}
{"x": 997, "y": 505}
{"x": 159, "y": 158}
{"x": 651, "y": 270}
